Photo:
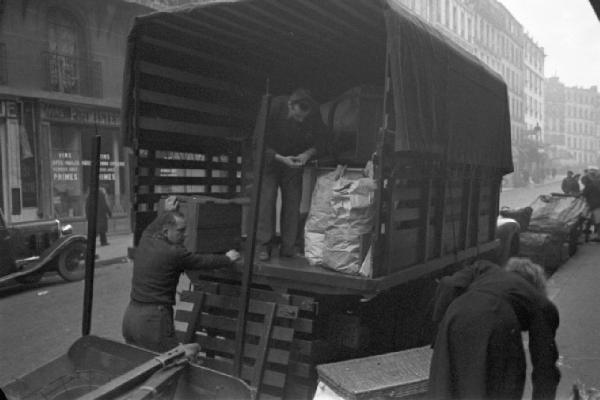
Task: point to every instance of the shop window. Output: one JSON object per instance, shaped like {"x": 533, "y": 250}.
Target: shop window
{"x": 28, "y": 157}
{"x": 71, "y": 166}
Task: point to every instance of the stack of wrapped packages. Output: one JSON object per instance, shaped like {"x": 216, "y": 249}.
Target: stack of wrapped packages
{"x": 340, "y": 218}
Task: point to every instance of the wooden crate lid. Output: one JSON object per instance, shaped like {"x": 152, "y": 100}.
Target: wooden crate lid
{"x": 399, "y": 374}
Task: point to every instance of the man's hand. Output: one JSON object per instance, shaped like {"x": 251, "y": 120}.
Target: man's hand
{"x": 233, "y": 255}
{"x": 171, "y": 203}
{"x": 288, "y": 161}
{"x": 302, "y": 158}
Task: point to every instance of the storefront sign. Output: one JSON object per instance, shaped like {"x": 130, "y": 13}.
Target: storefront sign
{"x": 80, "y": 115}
{"x": 66, "y": 168}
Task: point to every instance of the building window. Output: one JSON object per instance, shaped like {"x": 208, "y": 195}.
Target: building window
{"x": 454, "y": 19}
{"x": 69, "y": 69}
{"x": 3, "y": 65}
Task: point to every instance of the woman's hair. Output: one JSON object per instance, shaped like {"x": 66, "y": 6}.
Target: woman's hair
{"x": 528, "y": 270}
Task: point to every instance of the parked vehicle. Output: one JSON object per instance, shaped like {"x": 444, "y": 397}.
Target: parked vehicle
{"x": 433, "y": 120}
{"x": 30, "y": 249}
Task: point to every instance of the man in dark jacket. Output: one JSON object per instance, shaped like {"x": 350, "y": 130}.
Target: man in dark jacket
{"x": 102, "y": 215}
{"x": 570, "y": 185}
{"x": 591, "y": 193}
{"x": 159, "y": 260}
{"x": 295, "y": 134}
{"x": 478, "y": 352}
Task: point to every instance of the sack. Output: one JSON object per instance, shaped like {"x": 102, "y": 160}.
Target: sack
{"x": 352, "y": 221}
{"x": 319, "y": 215}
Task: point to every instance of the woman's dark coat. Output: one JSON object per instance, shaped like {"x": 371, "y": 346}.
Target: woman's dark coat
{"x": 478, "y": 352}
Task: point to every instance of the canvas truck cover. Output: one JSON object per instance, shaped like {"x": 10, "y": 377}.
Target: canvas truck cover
{"x": 210, "y": 63}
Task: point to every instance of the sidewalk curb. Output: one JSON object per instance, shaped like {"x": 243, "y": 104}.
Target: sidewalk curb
{"x": 111, "y": 261}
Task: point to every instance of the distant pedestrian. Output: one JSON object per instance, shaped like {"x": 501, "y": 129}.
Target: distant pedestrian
{"x": 570, "y": 184}
{"x": 102, "y": 215}
{"x": 591, "y": 193}
{"x": 478, "y": 351}
{"x": 553, "y": 173}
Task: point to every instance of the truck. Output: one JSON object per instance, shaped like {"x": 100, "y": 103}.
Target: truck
{"x": 432, "y": 119}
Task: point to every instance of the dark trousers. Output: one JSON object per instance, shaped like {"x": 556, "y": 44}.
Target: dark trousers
{"x": 289, "y": 180}
{"x": 149, "y": 326}
{"x": 103, "y": 239}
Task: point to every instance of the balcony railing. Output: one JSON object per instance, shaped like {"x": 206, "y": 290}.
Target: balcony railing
{"x": 72, "y": 75}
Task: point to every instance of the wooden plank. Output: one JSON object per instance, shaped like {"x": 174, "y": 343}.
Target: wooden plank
{"x": 259, "y": 364}
{"x": 406, "y": 214}
{"x": 227, "y": 324}
{"x": 187, "y": 128}
{"x": 173, "y": 164}
{"x": 188, "y": 33}
{"x": 193, "y": 321}
{"x": 188, "y": 51}
{"x": 408, "y": 193}
{"x": 185, "y": 103}
{"x": 233, "y": 304}
{"x": 243, "y": 32}
{"x": 227, "y": 346}
{"x": 304, "y": 303}
{"x": 182, "y": 180}
{"x": 185, "y": 77}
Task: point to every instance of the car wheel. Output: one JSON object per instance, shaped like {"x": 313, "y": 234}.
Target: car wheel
{"x": 71, "y": 262}
{"x": 31, "y": 278}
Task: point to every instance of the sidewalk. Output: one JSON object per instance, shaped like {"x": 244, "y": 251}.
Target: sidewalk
{"x": 574, "y": 290}
{"x": 116, "y": 251}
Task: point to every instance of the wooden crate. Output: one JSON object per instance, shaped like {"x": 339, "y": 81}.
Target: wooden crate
{"x": 211, "y": 227}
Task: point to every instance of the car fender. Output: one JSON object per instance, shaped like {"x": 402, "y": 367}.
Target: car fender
{"x": 63, "y": 242}
{"x": 46, "y": 257}
{"x": 507, "y": 230}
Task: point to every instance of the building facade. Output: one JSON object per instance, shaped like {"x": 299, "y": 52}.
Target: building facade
{"x": 573, "y": 124}
{"x": 61, "y": 72}
{"x": 534, "y": 87}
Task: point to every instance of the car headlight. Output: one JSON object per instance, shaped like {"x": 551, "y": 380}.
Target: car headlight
{"x": 66, "y": 229}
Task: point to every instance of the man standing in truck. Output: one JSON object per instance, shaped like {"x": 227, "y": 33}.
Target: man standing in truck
{"x": 295, "y": 134}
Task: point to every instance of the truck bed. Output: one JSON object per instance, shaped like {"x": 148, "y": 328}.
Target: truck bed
{"x": 296, "y": 273}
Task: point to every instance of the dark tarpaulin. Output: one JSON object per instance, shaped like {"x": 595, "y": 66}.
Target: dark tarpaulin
{"x": 446, "y": 101}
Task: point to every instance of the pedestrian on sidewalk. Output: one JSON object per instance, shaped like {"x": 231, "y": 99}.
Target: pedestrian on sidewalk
{"x": 570, "y": 184}
{"x": 591, "y": 193}
{"x": 159, "y": 261}
{"x": 102, "y": 215}
{"x": 478, "y": 351}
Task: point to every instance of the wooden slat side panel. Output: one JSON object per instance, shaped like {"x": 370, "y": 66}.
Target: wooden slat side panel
{"x": 304, "y": 303}
{"x": 228, "y": 325}
{"x": 230, "y": 303}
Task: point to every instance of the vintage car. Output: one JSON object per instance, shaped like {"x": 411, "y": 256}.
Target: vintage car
{"x": 30, "y": 249}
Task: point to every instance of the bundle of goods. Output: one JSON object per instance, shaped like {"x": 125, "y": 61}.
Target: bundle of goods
{"x": 546, "y": 249}
{"x": 552, "y": 230}
{"x": 319, "y": 215}
{"x": 557, "y": 213}
{"x": 340, "y": 218}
